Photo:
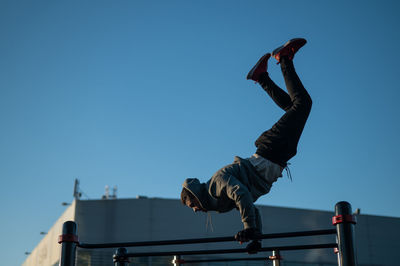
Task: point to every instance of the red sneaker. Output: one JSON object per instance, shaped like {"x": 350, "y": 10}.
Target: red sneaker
{"x": 259, "y": 68}
{"x": 288, "y": 49}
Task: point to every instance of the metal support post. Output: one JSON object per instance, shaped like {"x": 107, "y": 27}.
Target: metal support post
{"x": 68, "y": 241}
{"x": 276, "y": 258}
{"x": 177, "y": 261}
{"x": 120, "y": 258}
{"x": 345, "y": 222}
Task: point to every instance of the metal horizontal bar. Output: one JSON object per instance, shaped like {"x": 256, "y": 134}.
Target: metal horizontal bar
{"x": 204, "y": 240}
{"x": 227, "y": 251}
{"x": 224, "y": 260}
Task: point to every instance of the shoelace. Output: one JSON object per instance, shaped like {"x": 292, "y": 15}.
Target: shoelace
{"x": 209, "y": 222}
{"x": 289, "y": 174}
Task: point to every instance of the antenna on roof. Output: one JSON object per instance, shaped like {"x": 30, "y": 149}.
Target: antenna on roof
{"x": 107, "y": 193}
{"x": 114, "y": 194}
{"x": 77, "y": 193}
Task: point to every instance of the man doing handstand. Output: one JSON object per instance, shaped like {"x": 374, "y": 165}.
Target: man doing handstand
{"x": 241, "y": 183}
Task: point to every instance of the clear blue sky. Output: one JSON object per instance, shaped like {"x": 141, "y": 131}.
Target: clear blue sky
{"x": 142, "y": 94}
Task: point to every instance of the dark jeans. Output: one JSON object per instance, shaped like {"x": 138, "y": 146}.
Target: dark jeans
{"x": 279, "y": 143}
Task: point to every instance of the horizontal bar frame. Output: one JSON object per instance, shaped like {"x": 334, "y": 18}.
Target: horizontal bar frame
{"x": 183, "y": 261}
{"x": 227, "y": 251}
{"x": 205, "y": 240}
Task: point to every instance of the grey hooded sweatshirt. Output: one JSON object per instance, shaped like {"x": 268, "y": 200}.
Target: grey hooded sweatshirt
{"x": 236, "y": 185}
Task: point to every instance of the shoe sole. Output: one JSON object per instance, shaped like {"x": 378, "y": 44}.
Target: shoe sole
{"x": 251, "y": 72}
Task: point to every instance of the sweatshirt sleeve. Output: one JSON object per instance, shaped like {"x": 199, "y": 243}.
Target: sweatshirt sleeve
{"x": 239, "y": 193}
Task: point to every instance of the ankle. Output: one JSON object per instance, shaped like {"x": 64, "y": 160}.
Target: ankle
{"x": 286, "y": 62}
{"x": 263, "y": 79}
{"x": 284, "y": 59}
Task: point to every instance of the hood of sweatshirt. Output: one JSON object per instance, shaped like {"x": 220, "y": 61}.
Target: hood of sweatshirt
{"x": 199, "y": 190}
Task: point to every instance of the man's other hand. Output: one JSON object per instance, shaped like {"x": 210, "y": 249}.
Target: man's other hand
{"x": 253, "y": 247}
{"x": 247, "y": 235}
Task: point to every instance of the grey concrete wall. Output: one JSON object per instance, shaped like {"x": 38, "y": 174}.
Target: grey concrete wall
{"x": 378, "y": 240}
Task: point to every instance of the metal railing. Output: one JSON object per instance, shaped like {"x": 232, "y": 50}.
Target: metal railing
{"x": 343, "y": 220}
